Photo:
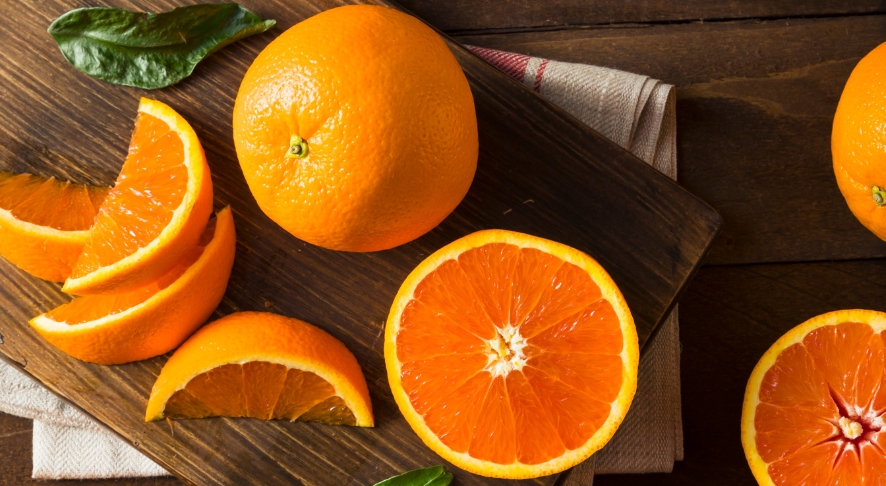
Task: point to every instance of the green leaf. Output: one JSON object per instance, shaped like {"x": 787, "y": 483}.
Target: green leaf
{"x": 150, "y": 50}
{"x": 429, "y": 476}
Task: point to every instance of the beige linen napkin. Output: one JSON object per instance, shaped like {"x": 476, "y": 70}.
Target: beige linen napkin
{"x": 635, "y": 112}
{"x": 67, "y": 444}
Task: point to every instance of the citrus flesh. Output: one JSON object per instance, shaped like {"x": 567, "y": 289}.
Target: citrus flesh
{"x": 356, "y": 129}
{"x": 511, "y": 356}
{"x": 44, "y": 222}
{"x": 858, "y": 141}
{"x": 814, "y": 406}
{"x": 151, "y": 320}
{"x": 265, "y": 366}
{"x": 155, "y": 212}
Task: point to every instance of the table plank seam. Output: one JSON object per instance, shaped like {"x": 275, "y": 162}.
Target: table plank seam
{"x": 529, "y": 29}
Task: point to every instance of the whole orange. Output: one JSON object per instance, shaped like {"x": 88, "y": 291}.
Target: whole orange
{"x": 356, "y": 129}
{"x": 858, "y": 142}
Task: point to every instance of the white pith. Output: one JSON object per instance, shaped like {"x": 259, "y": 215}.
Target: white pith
{"x": 505, "y": 351}
{"x": 850, "y": 428}
{"x": 44, "y": 231}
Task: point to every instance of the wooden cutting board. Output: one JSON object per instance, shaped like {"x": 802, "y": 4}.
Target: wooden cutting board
{"x": 540, "y": 172}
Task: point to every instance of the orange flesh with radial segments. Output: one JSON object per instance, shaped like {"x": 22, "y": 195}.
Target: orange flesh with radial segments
{"x": 150, "y": 187}
{"x": 92, "y": 307}
{"x": 821, "y": 410}
{"x": 510, "y": 354}
{"x": 49, "y": 202}
{"x": 262, "y": 390}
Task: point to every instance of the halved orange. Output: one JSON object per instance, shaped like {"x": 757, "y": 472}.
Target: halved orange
{"x": 814, "y": 406}
{"x": 156, "y": 211}
{"x": 511, "y": 356}
{"x": 265, "y": 366}
{"x": 152, "y": 320}
{"x": 44, "y": 222}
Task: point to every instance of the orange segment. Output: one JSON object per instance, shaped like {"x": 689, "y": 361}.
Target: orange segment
{"x": 511, "y": 356}
{"x": 261, "y": 390}
{"x": 151, "y": 320}
{"x": 265, "y": 366}
{"x": 156, "y": 211}
{"x": 812, "y": 412}
{"x": 44, "y": 223}
{"x": 542, "y": 440}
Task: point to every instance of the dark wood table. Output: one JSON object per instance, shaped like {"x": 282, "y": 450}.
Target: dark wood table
{"x": 758, "y": 83}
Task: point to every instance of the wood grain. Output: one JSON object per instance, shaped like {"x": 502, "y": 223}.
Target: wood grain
{"x": 755, "y": 104}
{"x": 15, "y": 444}
{"x": 648, "y": 232}
{"x": 729, "y": 316}
{"x": 511, "y": 15}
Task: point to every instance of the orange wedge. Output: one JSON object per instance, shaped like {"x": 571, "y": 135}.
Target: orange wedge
{"x": 814, "y": 409}
{"x": 152, "y": 320}
{"x": 266, "y": 366}
{"x": 156, "y": 211}
{"x": 45, "y": 222}
{"x": 511, "y": 356}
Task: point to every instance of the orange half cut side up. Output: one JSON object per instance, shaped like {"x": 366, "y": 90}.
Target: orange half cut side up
{"x": 511, "y": 356}
{"x": 815, "y": 404}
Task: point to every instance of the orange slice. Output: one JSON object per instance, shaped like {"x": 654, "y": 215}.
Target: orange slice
{"x": 156, "y": 211}
{"x": 265, "y": 366}
{"x": 814, "y": 407}
{"x": 511, "y": 356}
{"x": 45, "y": 222}
{"x": 119, "y": 328}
